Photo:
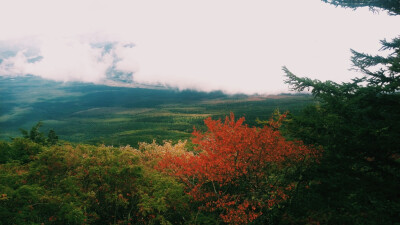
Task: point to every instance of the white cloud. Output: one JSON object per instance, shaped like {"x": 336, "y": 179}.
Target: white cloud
{"x": 71, "y": 60}
{"x": 233, "y": 45}
{"x": 14, "y": 65}
{"x": 62, "y": 59}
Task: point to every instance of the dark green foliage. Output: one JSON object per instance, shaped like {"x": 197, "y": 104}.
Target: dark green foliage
{"x": 5, "y": 151}
{"x": 26, "y": 148}
{"x": 38, "y": 137}
{"x": 358, "y": 124}
{"x": 386, "y": 77}
{"x": 52, "y": 138}
{"x": 20, "y": 149}
{"x": 34, "y": 134}
{"x": 391, "y": 6}
{"x": 364, "y": 114}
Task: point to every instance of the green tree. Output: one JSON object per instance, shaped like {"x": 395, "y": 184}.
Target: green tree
{"x": 34, "y": 134}
{"x": 367, "y": 109}
{"x": 39, "y": 137}
{"x": 358, "y": 123}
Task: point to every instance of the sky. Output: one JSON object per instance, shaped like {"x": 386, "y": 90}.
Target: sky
{"x": 237, "y": 46}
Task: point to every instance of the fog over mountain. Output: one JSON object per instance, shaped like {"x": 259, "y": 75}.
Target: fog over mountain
{"x": 233, "y": 46}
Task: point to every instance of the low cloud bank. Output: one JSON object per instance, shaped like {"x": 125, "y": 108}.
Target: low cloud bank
{"x": 115, "y": 62}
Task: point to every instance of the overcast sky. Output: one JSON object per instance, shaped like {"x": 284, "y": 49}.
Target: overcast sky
{"x": 232, "y": 45}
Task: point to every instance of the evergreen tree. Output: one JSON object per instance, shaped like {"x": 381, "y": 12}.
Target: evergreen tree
{"x": 358, "y": 123}
{"x": 391, "y": 6}
{"x": 35, "y": 135}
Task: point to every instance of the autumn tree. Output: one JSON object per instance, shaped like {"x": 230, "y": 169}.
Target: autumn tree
{"x": 238, "y": 172}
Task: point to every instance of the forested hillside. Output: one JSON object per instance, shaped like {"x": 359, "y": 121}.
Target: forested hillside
{"x": 99, "y": 114}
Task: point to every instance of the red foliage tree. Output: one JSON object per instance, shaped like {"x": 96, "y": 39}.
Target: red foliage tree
{"x": 238, "y": 171}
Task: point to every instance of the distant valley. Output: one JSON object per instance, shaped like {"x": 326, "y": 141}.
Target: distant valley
{"x": 99, "y": 114}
